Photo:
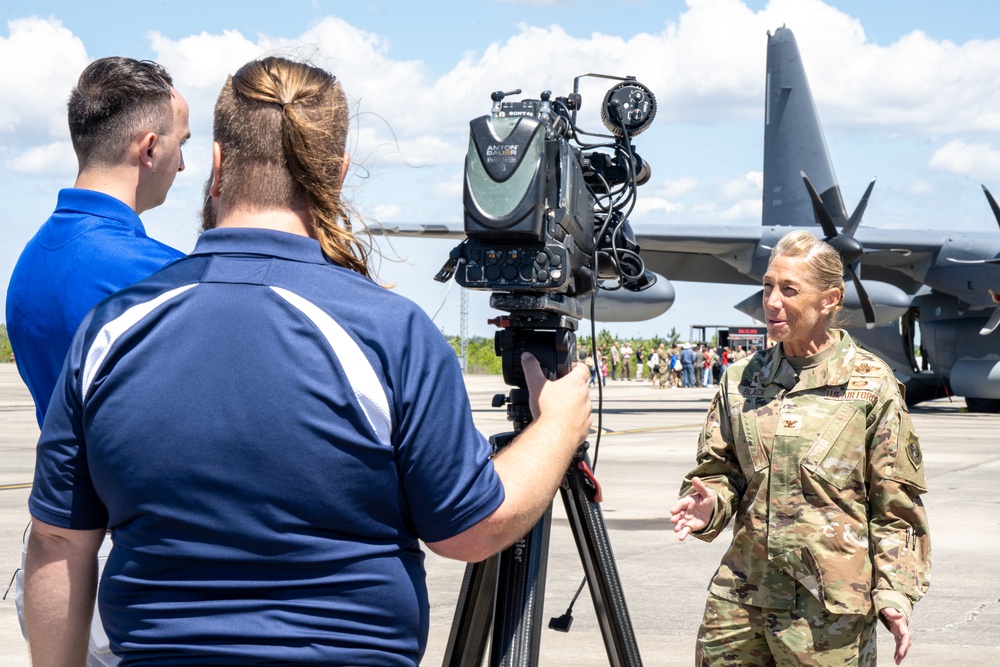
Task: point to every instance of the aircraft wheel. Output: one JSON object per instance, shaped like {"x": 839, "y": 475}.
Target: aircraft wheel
{"x": 990, "y": 405}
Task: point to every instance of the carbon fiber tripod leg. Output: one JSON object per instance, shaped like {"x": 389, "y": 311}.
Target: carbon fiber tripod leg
{"x": 503, "y": 593}
{"x": 587, "y": 523}
{"x": 517, "y": 623}
{"x": 473, "y": 614}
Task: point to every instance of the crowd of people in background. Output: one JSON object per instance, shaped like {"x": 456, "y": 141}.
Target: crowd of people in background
{"x": 683, "y": 365}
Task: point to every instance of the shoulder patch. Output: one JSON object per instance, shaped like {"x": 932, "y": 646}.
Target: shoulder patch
{"x": 909, "y": 465}
{"x": 913, "y": 451}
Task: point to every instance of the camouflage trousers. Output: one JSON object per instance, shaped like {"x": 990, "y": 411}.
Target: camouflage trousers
{"x": 737, "y": 635}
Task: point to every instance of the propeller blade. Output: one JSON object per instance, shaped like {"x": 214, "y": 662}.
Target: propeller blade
{"x": 823, "y": 215}
{"x": 852, "y": 224}
{"x": 993, "y": 204}
{"x": 992, "y": 324}
{"x": 866, "y": 304}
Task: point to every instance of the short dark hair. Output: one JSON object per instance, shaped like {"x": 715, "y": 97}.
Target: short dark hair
{"x": 115, "y": 99}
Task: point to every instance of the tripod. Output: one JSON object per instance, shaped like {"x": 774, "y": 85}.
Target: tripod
{"x": 505, "y": 592}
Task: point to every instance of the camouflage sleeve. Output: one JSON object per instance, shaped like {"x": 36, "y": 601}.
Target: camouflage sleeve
{"x": 717, "y": 466}
{"x": 901, "y": 547}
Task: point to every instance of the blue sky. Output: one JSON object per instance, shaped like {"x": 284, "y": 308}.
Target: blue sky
{"x": 907, "y": 91}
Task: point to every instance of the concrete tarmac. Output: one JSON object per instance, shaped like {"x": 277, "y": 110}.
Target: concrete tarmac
{"x": 647, "y": 444}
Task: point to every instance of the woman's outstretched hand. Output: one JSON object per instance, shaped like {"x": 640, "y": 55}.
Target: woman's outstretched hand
{"x": 693, "y": 512}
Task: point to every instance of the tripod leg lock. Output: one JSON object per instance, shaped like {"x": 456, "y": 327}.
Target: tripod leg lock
{"x": 597, "y": 495}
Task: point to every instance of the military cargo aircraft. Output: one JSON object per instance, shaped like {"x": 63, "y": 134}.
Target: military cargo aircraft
{"x": 944, "y": 284}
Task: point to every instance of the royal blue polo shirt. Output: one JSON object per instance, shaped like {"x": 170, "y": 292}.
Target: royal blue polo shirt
{"x": 92, "y": 246}
{"x": 267, "y": 435}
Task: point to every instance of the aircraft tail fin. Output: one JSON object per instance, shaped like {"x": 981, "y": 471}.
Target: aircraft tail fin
{"x": 794, "y": 142}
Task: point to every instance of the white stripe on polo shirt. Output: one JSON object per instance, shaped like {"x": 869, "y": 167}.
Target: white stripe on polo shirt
{"x": 362, "y": 377}
{"x": 115, "y": 329}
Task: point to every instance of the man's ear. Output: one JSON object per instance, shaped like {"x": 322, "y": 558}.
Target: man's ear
{"x": 146, "y": 144}
{"x": 216, "y": 189}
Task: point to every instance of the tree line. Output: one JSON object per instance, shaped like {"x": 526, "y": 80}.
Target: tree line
{"x": 484, "y": 361}
{"x": 6, "y": 354}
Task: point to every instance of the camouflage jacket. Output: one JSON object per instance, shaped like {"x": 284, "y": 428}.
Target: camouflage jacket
{"x": 823, "y": 474}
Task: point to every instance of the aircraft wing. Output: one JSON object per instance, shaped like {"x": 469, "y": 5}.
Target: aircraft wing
{"x": 700, "y": 253}
{"x": 431, "y": 230}
{"x": 697, "y": 253}
{"x": 899, "y": 247}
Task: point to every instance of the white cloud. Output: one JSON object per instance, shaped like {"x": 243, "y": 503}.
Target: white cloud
{"x": 202, "y": 61}
{"x": 54, "y": 160}
{"x": 647, "y": 208}
{"x": 42, "y": 61}
{"x": 449, "y": 190}
{"x": 705, "y": 67}
{"x": 675, "y": 188}
{"x": 747, "y": 209}
{"x": 387, "y": 212}
{"x": 749, "y": 185}
{"x": 977, "y": 160}
{"x": 381, "y": 87}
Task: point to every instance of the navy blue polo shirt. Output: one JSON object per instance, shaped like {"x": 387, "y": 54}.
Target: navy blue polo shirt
{"x": 92, "y": 246}
{"x": 267, "y": 435}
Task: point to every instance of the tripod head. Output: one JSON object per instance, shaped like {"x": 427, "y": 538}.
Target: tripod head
{"x": 545, "y": 326}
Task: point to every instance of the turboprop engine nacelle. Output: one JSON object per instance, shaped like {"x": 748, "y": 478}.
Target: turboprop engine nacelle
{"x": 976, "y": 377}
{"x": 625, "y": 306}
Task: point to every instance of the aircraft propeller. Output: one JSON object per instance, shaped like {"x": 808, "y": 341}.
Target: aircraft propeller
{"x": 994, "y": 320}
{"x": 996, "y": 214}
{"x": 993, "y": 204}
{"x": 850, "y": 248}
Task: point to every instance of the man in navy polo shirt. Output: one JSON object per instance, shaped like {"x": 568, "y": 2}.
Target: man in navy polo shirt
{"x": 244, "y": 422}
{"x": 127, "y": 124}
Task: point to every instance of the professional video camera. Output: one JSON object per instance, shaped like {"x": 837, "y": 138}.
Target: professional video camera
{"x": 546, "y": 215}
{"x": 546, "y": 223}
{"x": 542, "y": 215}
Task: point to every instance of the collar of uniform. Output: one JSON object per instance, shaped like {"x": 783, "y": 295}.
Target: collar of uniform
{"x": 776, "y": 369}
{"x": 93, "y": 203}
{"x": 835, "y": 372}
{"x": 267, "y": 242}
{"x": 841, "y": 364}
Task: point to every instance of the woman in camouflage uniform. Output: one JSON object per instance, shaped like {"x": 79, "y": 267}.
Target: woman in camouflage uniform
{"x": 809, "y": 447}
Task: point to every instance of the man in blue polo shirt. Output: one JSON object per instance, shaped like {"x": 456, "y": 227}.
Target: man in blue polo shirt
{"x": 127, "y": 124}
{"x": 246, "y": 424}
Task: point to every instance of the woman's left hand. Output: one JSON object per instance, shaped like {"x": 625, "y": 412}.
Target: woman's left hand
{"x": 693, "y": 512}
{"x": 895, "y": 621}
